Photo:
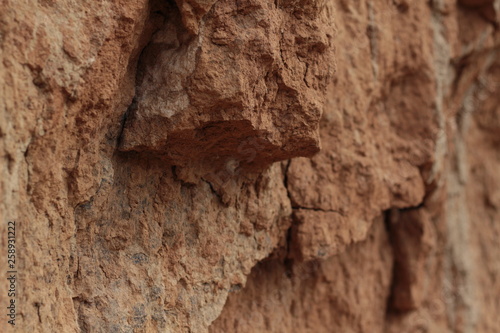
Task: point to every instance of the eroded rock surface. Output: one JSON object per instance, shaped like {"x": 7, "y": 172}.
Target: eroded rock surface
{"x": 252, "y": 166}
{"x": 255, "y": 73}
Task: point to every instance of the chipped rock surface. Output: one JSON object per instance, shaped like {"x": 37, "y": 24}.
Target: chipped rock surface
{"x": 252, "y": 165}
{"x": 251, "y": 82}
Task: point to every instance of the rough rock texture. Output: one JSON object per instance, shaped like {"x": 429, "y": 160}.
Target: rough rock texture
{"x": 244, "y": 80}
{"x": 252, "y": 165}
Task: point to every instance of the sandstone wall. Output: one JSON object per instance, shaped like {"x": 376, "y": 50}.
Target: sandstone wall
{"x": 251, "y": 165}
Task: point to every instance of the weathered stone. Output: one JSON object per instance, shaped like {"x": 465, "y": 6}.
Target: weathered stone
{"x": 140, "y": 147}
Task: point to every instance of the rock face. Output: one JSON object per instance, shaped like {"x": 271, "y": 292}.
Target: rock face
{"x": 248, "y": 88}
{"x": 252, "y": 165}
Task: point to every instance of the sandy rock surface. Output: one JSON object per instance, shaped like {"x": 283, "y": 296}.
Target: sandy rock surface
{"x": 251, "y": 166}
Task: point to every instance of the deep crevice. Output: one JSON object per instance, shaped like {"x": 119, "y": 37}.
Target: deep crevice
{"x": 131, "y": 108}
{"x": 285, "y": 181}
{"x": 212, "y": 189}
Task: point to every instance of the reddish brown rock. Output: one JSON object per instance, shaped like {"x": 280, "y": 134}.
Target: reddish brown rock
{"x": 344, "y": 293}
{"x": 140, "y": 147}
{"x": 412, "y": 237}
{"x": 249, "y": 86}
